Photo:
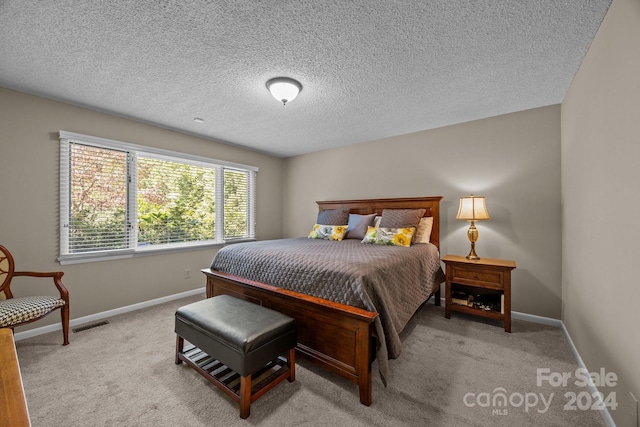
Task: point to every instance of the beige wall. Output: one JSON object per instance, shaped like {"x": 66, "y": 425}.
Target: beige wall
{"x": 600, "y": 177}
{"x": 29, "y": 202}
{"x": 513, "y": 160}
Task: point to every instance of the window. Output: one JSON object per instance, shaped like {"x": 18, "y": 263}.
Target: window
{"x": 119, "y": 199}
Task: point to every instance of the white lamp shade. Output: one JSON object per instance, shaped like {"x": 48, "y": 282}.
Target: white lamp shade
{"x": 472, "y": 208}
{"x": 284, "y": 89}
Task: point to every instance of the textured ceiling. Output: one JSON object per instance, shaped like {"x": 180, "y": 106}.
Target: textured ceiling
{"x": 369, "y": 68}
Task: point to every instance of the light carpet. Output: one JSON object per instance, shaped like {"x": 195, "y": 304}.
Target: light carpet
{"x": 452, "y": 372}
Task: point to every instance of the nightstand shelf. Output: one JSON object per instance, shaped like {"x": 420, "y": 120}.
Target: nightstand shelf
{"x": 487, "y": 280}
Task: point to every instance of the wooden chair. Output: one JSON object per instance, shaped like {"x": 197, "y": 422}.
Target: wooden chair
{"x": 19, "y": 311}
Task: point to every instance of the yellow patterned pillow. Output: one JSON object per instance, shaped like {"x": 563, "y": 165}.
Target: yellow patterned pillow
{"x": 328, "y": 232}
{"x": 389, "y": 236}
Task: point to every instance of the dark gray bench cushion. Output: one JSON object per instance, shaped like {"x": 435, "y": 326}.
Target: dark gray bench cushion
{"x": 242, "y": 335}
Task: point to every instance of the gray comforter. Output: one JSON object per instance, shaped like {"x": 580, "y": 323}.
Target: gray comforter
{"x": 391, "y": 280}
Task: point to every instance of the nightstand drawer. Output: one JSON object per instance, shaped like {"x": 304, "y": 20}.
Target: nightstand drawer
{"x": 493, "y": 278}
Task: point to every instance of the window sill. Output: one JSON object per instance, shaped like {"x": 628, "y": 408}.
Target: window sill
{"x": 141, "y": 251}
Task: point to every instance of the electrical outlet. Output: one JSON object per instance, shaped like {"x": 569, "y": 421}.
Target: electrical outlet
{"x": 187, "y": 273}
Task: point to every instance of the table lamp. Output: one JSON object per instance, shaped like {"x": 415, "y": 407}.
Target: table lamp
{"x": 472, "y": 208}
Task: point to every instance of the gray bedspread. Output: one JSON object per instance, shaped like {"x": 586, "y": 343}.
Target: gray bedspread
{"x": 391, "y": 280}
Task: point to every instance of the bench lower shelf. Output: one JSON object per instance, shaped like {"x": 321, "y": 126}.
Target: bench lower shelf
{"x": 229, "y": 381}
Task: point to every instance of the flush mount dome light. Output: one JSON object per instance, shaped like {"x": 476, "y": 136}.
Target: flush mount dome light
{"x": 284, "y": 89}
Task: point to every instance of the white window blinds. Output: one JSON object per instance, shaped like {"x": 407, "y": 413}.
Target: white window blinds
{"x": 118, "y": 199}
{"x": 97, "y": 214}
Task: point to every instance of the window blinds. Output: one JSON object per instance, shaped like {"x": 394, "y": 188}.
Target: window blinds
{"x": 119, "y": 197}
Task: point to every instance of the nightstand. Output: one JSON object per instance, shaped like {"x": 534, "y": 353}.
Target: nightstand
{"x": 480, "y": 287}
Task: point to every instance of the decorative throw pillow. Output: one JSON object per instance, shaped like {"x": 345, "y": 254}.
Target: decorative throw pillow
{"x": 423, "y": 233}
{"x": 358, "y": 225}
{"x": 389, "y": 236}
{"x": 401, "y": 218}
{"x": 333, "y": 217}
{"x": 328, "y": 232}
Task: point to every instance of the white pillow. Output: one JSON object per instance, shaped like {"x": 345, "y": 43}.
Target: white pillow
{"x": 423, "y": 234}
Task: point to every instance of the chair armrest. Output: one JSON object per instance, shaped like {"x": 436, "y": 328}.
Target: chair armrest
{"x": 57, "y": 280}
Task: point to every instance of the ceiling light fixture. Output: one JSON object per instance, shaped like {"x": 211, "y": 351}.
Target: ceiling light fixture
{"x": 284, "y": 89}
{"x": 198, "y": 120}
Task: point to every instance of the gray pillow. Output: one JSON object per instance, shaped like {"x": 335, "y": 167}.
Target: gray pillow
{"x": 333, "y": 217}
{"x": 358, "y": 225}
{"x": 401, "y": 218}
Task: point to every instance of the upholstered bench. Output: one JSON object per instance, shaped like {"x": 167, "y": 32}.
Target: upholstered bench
{"x": 234, "y": 342}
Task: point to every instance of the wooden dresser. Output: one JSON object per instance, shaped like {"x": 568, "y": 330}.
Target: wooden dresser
{"x": 13, "y": 404}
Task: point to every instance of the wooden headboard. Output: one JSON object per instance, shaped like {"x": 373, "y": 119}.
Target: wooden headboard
{"x": 369, "y": 206}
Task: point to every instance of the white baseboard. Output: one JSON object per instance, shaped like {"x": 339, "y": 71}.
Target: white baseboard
{"x": 105, "y": 314}
{"x": 537, "y": 319}
{"x": 110, "y": 313}
{"x": 592, "y": 388}
{"x": 560, "y": 324}
{"x": 528, "y": 317}
{"x": 606, "y": 416}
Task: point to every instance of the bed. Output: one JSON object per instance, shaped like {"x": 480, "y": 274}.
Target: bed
{"x": 352, "y": 305}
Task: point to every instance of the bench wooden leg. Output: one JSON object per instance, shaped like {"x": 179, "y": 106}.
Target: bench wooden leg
{"x": 179, "y": 346}
{"x": 245, "y": 396}
{"x": 291, "y": 364}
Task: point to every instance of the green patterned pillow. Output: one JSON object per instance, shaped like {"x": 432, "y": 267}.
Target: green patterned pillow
{"x": 389, "y": 236}
{"x": 328, "y": 232}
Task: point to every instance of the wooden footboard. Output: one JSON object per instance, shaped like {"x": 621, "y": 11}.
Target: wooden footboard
{"x": 337, "y": 337}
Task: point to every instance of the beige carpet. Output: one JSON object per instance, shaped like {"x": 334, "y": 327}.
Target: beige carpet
{"x": 123, "y": 374}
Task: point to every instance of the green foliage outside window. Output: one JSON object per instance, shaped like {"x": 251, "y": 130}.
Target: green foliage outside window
{"x": 235, "y": 204}
{"x": 175, "y": 202}
{"x": 98, "y": 200}
{"x": 118, "y": 198}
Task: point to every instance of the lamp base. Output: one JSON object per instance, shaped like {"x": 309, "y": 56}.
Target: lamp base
{"x": 472, "y": 254}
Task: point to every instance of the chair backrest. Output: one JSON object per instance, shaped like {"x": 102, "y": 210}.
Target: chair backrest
{"x": 7, "y": 268}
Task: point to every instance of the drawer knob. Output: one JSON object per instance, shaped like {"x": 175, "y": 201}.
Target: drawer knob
{"x": 475, "y": 276}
